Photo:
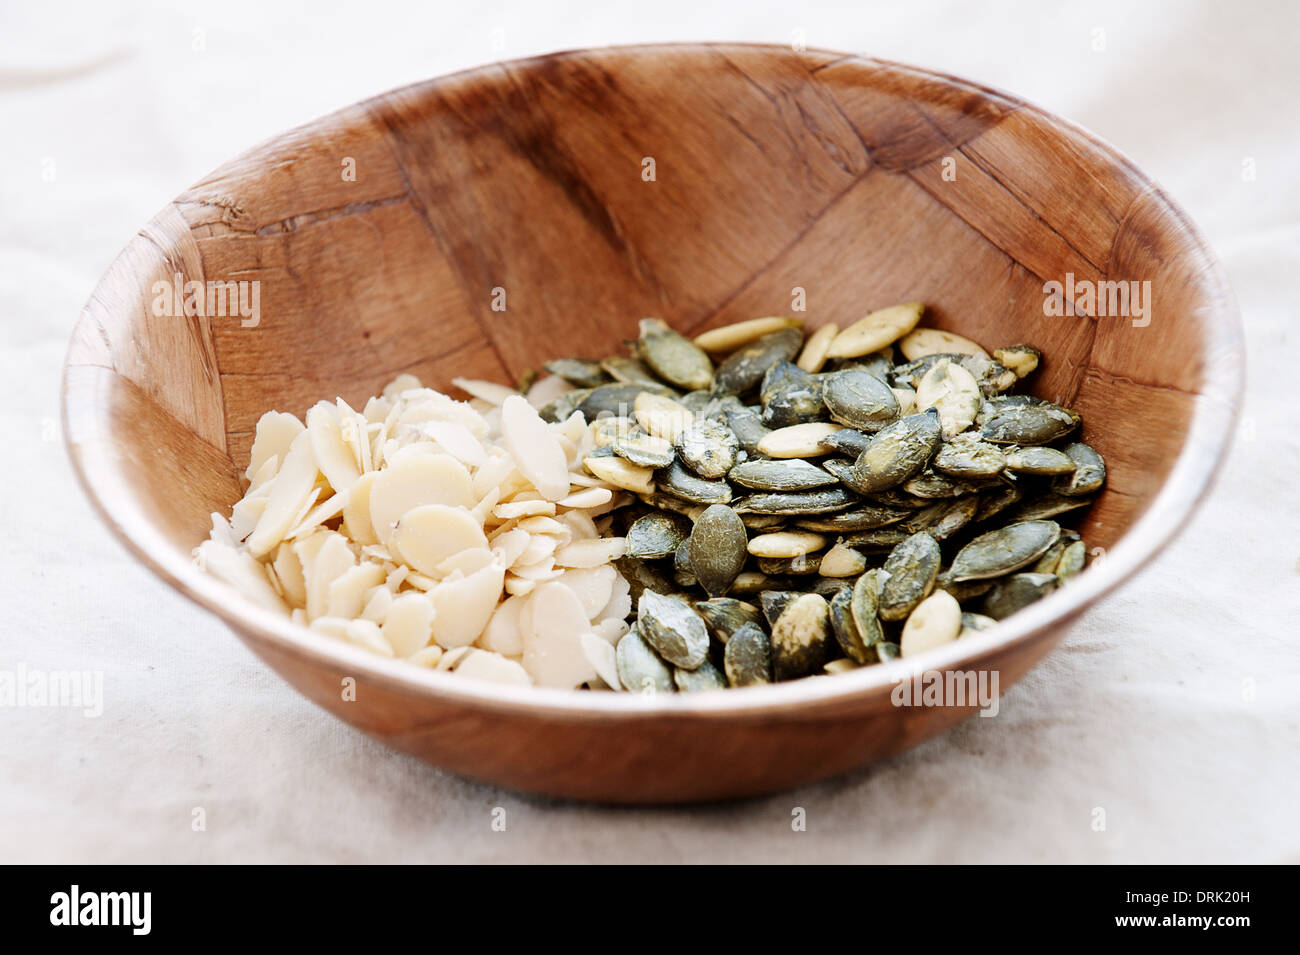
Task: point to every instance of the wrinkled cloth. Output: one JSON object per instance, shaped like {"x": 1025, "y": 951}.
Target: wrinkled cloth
{"x": 1172, "y": 706}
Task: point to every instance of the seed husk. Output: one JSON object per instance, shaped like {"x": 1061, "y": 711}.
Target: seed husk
{"x": 1020, "y": 359}
{"x": 1039, "y": 461}
{"x": 912, "y": 567}
{"x": 1089, "y": 471}
{"x": 1017, "y": 592}
{"x": 774, "y": 601}
{"x": 745, "y": 367}
{"x": 931, "y": 341}
{"x": 820, "y": 501}
{"x": 730, "y": 337}
{"x": 896, "y": 453}
{"x": 790, "y": 396}
{"x": 673, "y": 357}
{"x": 880, "y": 328}
{"x": 747, "y": 425}
{"x": 861, "y": 518}
{"x": 842, "y": 561}
{"x": 680, "y": 483}
{"x": 579, "y": 372}
{"x": 799, "y": 637}
{"x": 1004, "y": 551}
{"x": 966, "y": 456}
{"x": 656, "y": 535}
{"x": 640, "y": 669}
{"x": 858, "y": 399}
{"x": 708, "y": 448}
{"x": 953, "y": 391}
{"x": 673, "y": 628}
{"x": 1039, "y": 423}
{"x": 717, "y": 548}
{"x": 935, "y": 621}
{"x": 725, "y": 615}
{"x": 813, "y": 356}
{"x": 642, "y": 448}
{"x": 704, "y": 677}
{"x": 788, "y": 474}
{"x": 748, "y": 657}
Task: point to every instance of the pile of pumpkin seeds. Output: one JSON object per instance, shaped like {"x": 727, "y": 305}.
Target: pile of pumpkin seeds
{"x": 809, "y": 505}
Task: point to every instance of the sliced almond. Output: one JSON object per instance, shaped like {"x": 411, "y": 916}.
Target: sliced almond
{"x": 427, "y": 535}
{"x": 489, "y": 391}
{"x": 344, "y": 596}
{"x": 621, "y": 473}
{"x": 588, "y": 498}
{"x": 332, "y": 561}
{"x": 408, "y": 625}
{"x": 816, "y": 347}
{"x": 462, "y": 608}
{"x": 412, "y": 482}
{"x": 289, "y": 489}
{"x": 591, "y": 552}
{"x": 513, "y": 509}
{"x": 503, "y": 633}
{"x": 877, "y": 330}
{"x": 730, "y": 337}
{"x": 333, "y": 456}
{"x": 662, "y": 417}
{"x": 536, "y": 451}
{"x": 594, "y": 586}
{"x": 553, "y": 652}
{"x": 276, "y": 432}
{"x": 600, "y": 654}
{"x": 492, "y": 667}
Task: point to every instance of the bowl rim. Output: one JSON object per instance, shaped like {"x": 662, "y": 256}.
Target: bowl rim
{"x": 1192, "y": 474}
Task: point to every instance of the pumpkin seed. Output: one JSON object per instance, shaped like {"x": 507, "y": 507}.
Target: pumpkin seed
{"x": 1039, "y": 461}
{"x": 726, "y": 615}
{"x": 896, "y": 453}
{"x": 912, "y": 567}
{"x": 640, "y": 669}
{"x": 629, "y": 370}
{"x": 842, "y": 561}
{"x": 790, "y": 396}
{"x": 656, "y": 535}
{"x": 697, "y": 402}
{"x": 708, "y": 448}
{"x": 685, "y": 486}
{"x": 965, "y": 590}
{"x": 813, "y": 356}
{"x": 1004, "y": 550}
{"x": 974, "y": 623}
{"x": 1020, "y": 359}
{"x": 953, "y": 391}
{"x": 931, "y": 485}
{"x": 878, "y": 539}
{"x": 673, "y": 357}
{"x": 877, "y": 330}
{"x": 820, "y": 501}
{"x": 864, "y": 606}
{"x": 746, "y": 366}
{"x": 642, "y": 448}
{"x": 799, "y": 637}
{"x": 848, "y": 441}
{"x": 788, "y": 474}
{"x": 673, "y": 629}
{"x": 861, "y": 518}
{"x": 762, "y": 522}
{"x": 992, "y": 378}
{"x": 748, "y": 656}
{"x": 931, "y": 341}
{"x": 578, "y": 371}
{"x": 1017, "y": 592}
{"x": 717, "y": 548}
{"x": 750, "y": 582}
{"x": 887, "y": 651}
{"x": 967, "y": 456}
{"x": 747, "y": 425}
{"x": 730, "y": 337}
{"x": 1049, "y": 505}
{"x": 1038, "y": 423}
{"x": 801, "y": 565}
{"x": 562, "y": 407}
{"x": 642, "y": 575}
{"x": 993, "y": 501}
{"x": 704, "y": 677}
{"x": 1072, "y": 561}
{"x": 859, "y": 400}
{"x": 943, "y": 519}
{"x": 846, "y": 630}
{"x": 1089, "y": 471}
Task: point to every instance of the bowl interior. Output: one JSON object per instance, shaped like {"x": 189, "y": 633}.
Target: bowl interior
{"x": 479, "y": 224}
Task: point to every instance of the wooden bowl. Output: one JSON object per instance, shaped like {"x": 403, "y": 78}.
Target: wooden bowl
{"x": 702, "y": 184}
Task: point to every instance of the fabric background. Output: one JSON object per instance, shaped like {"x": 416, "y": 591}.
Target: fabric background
{"x": 1172, "y": 705}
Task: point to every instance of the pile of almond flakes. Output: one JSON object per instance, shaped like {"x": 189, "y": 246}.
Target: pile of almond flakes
{"x": 464, "y": 536}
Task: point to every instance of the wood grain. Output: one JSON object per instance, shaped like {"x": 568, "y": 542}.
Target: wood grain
{"x": 855, "y": 182}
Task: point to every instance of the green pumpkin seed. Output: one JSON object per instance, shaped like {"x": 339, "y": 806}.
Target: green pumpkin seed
{"x": 887, "y": 651}
{"x": 640, "y": 669}
{"x": 1049, "y": 505}
{"x": 673, "y": 357}
{"x": 964, "y": 590}
{"x": 821, "y": 501}
{"x": 1038, "y": 423}
{"x": 748, "y": 657}
{"x": 725, "y": 615}
{"x": 704, "y": 677}
{"x": 790, "y": 396}
{"x": 680, "y": 483}
{"x": 745, "y": 367}
{"x": 617, "y": 400}
{"x": 864, "y": 609}
{"x": 747, "y": 425}
{"x": 878, "y": 539}
{"x": 578, "y": 371}
{"x": 966, "y": 456}
{"x": 1089, "y": 472}
{"x": 696, "y": 402}
{"x": 708, "y": 448}
{"x": 974, "y": 623}
{"x": 642, "y": 448}
{"x": 846, "y": 630}
{"x": 861, "y": 518}
{"x": 563, "y": 407}
{"x": 944, "y": 518}
{"x": 642, "y": 575}
{"x": 858, "y": 399}
{"x": 780, "y": 474}
{"x": 629, "y": 370}
{"x": 762, "y": 522}
{"x": 896, "y": 453}
{"x": 931, "y": 485}
{"x": 1004, "y": 550}
{"x": 991, "y": 377}
{"x": 1017, "y": 592}
{"x": 803, "y": 565}
{"x": 774, "y": 602}
{"x": 800, "y": 636}
{"x": 673, "y": 629}
{"x": 1039, "y": 461}
{"x": 1072, "y": 561}
{"x": 847, "y": 441}
{"x": 718, "y": 548}
{"x": 656, "y": 535}
{"x": 994, "y": 501}
{"x": 912, "y": 567}
{"x": 1051, "y": 557}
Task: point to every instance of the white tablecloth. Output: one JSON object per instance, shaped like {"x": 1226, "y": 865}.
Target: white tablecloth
{"x": 1172, "y": 707}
